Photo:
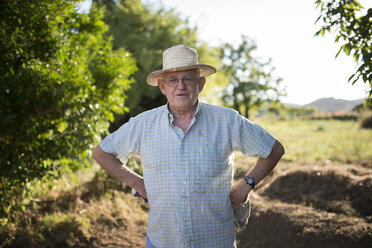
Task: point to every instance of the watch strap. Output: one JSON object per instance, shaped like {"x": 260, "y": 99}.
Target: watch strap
{"x": 250, "y": 181}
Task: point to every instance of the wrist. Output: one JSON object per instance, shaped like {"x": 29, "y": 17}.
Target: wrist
{"x": 243, "y": 188}
{"x": 137, "y": 181}
{"x": 249, "y": 181}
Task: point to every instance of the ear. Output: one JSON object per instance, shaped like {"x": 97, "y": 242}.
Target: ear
{"x": 161, "y": 86}
{"x": 202, "y": 82}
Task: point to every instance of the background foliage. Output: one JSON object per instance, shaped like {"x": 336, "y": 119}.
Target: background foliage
{"x": 60, "y": 83}
{"x": 354, "y": 29}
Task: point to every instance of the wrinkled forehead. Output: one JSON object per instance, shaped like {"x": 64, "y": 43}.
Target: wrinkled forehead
{"x": 193, "y": 72}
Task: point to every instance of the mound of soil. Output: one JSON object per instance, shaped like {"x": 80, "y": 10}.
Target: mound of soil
{"x": 323, "y": 206}
{"x": 340, "y": 190}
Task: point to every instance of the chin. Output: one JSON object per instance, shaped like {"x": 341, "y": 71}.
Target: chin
{"x": 183, "y": 103}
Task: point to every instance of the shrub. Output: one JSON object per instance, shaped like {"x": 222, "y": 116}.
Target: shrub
{"x": 60, "y": 83}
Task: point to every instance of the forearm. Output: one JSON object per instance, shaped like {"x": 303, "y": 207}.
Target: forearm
{"x": 114, "y": 167}
{"x": 262, "y": 168}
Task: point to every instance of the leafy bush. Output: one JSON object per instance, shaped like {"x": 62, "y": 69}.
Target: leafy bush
{"x": 60, "y": 83}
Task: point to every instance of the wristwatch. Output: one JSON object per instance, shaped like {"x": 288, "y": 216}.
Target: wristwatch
{"x": 250, "y": 181}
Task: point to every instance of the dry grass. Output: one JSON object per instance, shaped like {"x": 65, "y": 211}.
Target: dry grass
{"x": 92, "y": 214}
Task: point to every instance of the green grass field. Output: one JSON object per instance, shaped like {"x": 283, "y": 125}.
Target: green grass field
{"x": 314, "y": 143}
{"x": 322, "y": 141}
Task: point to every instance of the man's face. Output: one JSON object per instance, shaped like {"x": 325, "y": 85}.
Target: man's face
{"x": 181, "y": 88}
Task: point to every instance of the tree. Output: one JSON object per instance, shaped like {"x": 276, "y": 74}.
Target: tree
{"x": 60, "y": 83}
{"x": 353, "y": 29}
{"x": 251, "y": 81}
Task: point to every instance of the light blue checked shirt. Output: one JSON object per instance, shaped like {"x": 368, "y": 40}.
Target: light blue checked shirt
{"x": 188, "y": 176}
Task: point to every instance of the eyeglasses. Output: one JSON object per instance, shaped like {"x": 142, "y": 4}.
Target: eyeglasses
{"x": 188, "y": 80}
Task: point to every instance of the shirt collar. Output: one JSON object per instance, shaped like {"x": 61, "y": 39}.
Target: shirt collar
{"x": 171, "y": 117}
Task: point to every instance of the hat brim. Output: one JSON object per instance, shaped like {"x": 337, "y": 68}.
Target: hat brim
{"x": 205, "y": 70}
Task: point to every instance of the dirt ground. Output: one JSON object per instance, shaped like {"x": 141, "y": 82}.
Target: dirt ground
{"x": 327, "y": 206}
{"x": 304, "y": 207}
{"x": 312, "y": 206}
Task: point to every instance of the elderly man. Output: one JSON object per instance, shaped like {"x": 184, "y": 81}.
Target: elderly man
{"x": 186, "y": 148}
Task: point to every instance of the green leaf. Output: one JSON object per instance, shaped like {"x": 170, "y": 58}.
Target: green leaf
{"x": 346, "y": 49}
{"x": 321, "y": 31}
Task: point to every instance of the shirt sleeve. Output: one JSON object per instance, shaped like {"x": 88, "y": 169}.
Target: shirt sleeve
{"x": 251, "y": 139}
{"x": 123, "y": 142}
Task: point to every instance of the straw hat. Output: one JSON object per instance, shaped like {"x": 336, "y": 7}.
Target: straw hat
{"x": 180, "y": 58}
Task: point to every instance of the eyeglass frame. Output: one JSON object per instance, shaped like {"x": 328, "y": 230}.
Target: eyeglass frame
{"x": 183, "y": 80}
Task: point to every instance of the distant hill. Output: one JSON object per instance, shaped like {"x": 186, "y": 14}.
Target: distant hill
{"x": 333, "y": 105}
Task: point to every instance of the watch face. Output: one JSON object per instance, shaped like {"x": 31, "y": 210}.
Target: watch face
{"x": 249, "y": 181}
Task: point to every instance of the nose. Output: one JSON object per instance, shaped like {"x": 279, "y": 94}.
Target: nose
{"x": 180, "y": 84}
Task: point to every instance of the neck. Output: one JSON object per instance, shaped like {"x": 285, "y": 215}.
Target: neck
{"x": 182, "y": 113}
{"x": 183, "y": 117}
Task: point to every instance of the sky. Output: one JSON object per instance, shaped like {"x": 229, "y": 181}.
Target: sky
{"x": 283, "y": 31}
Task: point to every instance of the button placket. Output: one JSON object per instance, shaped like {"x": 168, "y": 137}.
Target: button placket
{"x": 188, "y": 224}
